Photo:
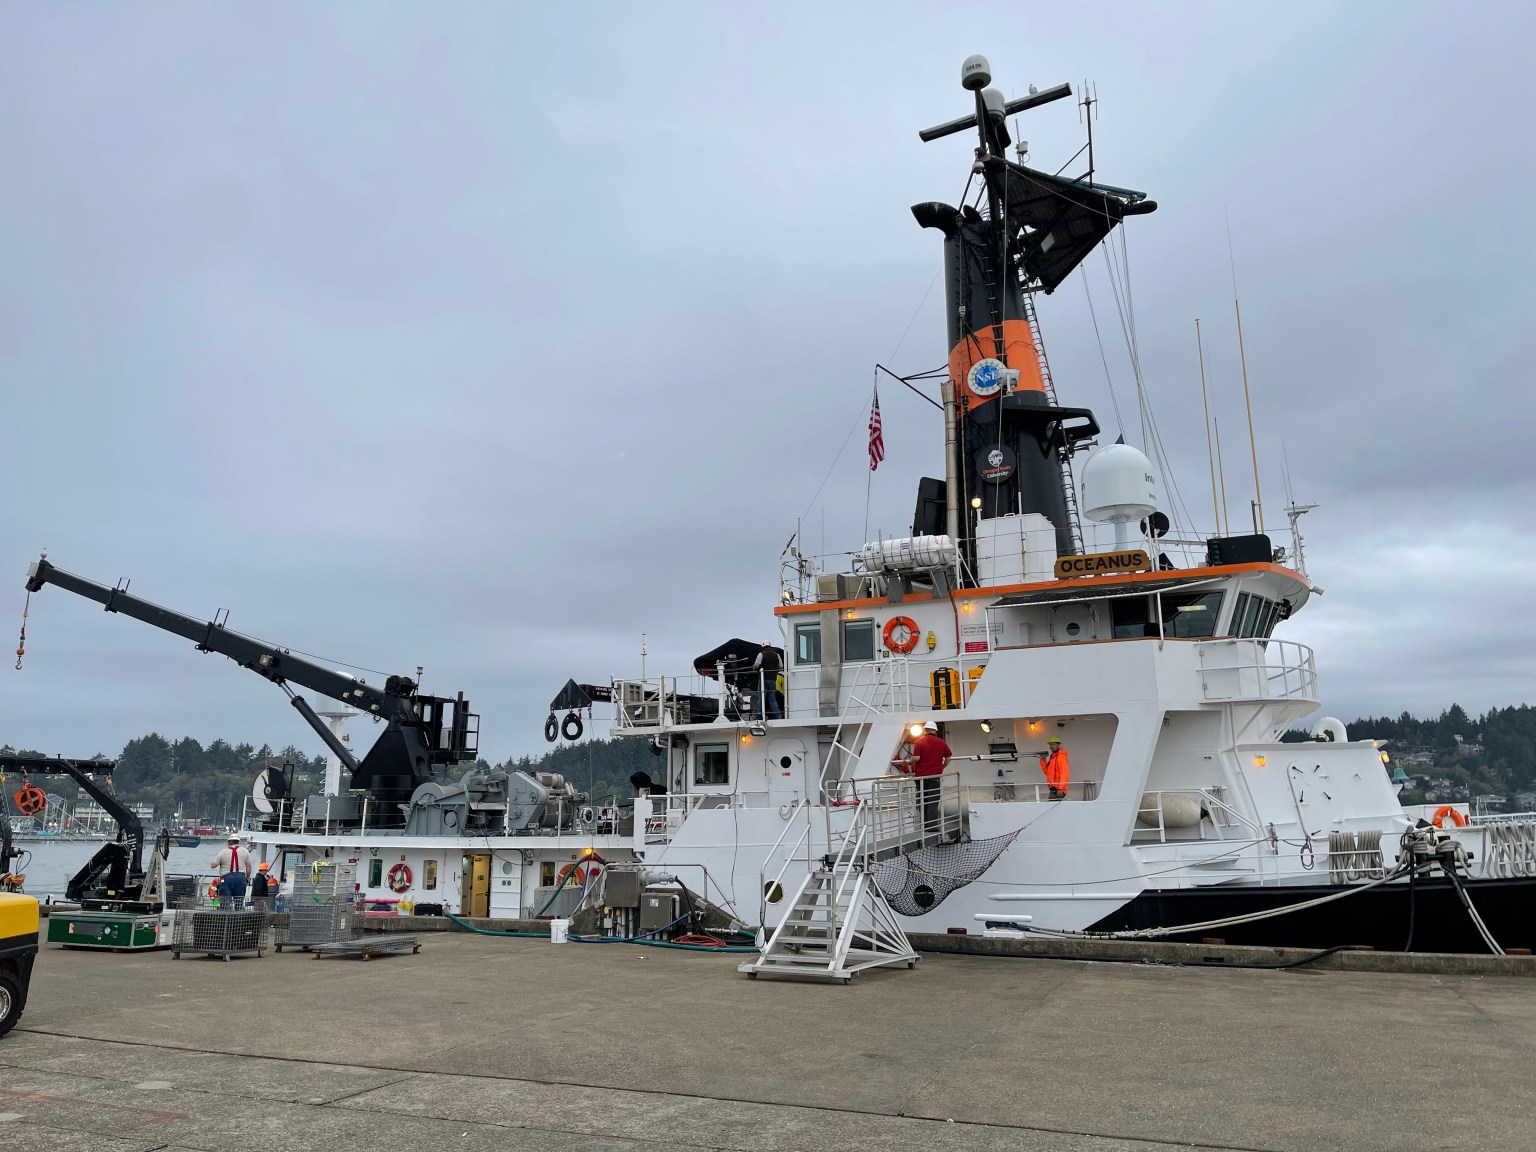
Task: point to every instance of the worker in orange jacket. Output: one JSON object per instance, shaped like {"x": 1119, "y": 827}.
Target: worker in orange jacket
{"x": 1057, "y": 768}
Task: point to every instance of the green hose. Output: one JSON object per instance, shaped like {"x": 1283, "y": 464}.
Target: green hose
{"x": 564, "y": 880}
{"x": 468, "y": 927}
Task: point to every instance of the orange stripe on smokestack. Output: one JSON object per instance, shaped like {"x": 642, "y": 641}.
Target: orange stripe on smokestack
{"x": 1018, "y": 351}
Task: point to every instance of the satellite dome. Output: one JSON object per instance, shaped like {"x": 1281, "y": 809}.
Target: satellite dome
{"x": 1119, "y": 484}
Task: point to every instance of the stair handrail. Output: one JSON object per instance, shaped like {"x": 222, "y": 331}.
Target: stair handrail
{"x": 796, "y": 806}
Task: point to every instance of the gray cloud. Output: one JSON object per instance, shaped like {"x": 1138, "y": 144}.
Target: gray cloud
{"x": 489, "y": 339}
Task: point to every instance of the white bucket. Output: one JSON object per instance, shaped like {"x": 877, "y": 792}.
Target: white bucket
{"x": 559, "y": 931}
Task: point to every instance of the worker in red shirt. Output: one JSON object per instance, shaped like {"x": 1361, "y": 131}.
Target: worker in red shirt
{"x": 1057, "y": 769}
{"x": 927, "y": 761}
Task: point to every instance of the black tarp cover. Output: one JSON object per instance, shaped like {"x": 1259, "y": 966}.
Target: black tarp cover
{"x": 1062, "y": 220}
{"x": 738, "y": 656}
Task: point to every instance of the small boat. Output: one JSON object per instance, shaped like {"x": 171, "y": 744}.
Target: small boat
{"x": 186, "y": 840}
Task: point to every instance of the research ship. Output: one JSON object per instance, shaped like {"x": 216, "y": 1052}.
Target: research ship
{"x": 1043, "y": 591}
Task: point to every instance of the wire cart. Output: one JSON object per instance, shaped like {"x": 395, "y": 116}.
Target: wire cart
{"x": 322, "y": 909}
{"x": 222, "y": 932}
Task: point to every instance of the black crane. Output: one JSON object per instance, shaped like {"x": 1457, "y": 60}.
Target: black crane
{"x": 421, "y": 732}
{"x": 117, "y": 868}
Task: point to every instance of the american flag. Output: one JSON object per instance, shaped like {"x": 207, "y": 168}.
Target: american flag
{"x": 876, "y": 440}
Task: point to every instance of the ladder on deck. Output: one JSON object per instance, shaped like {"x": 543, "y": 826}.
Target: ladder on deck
{"x": 1068, "y": 484}
{"x": 839, "y": 922}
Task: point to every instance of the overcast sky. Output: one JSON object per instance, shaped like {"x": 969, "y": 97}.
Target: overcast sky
{"x": 489, "y": 337}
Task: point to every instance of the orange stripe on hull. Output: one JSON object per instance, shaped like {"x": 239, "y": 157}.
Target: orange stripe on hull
{"x": 1018, "y": 351}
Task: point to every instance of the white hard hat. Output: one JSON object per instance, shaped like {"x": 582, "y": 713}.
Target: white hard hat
{"x": 931, "y": 727}
{"x": 234, "y": 837}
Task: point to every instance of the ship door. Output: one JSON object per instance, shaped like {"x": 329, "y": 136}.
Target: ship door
{"x": 475, "y": 887}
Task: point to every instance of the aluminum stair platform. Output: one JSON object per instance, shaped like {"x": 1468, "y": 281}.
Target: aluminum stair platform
{"x": 838, "y": 923}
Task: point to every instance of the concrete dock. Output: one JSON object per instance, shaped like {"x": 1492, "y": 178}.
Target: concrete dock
{"x": 510, "y": 1044}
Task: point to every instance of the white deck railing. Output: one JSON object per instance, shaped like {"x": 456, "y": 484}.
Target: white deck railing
{"x": 1233, "y": 669}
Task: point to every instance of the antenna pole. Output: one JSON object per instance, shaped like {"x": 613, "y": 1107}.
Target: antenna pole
{"x": 1088, "y": 101}
{"x": 1295, "y": 512}
{"x": 1221, "y": 470}
{"x": 1242, "y": 354}
{"x": 1210, "y": 452}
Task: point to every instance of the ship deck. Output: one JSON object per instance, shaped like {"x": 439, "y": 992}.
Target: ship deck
{"x": 481, "y": 1043}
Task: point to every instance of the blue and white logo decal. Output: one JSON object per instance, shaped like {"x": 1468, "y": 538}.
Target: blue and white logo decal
{"x": 985, "y": 377}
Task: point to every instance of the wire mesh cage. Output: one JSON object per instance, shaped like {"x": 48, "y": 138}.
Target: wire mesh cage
{"x": 323, "y": 908}
{"x": 203, "y": 927}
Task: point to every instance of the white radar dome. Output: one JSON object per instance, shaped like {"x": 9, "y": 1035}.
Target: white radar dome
{"x": 975, "y": 73}
{"x": 1119, "y": 483}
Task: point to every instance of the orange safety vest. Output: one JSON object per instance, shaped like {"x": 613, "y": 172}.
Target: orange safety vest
{"x": 1057, "y": 769}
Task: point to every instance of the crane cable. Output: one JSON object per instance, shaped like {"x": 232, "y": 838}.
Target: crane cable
{"x": 21, "y": 645}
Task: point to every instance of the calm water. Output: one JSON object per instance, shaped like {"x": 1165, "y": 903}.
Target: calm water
{"x": 53, "y": 864}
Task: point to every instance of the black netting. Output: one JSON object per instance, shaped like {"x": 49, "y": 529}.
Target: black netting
{"x": 918, "y": 882}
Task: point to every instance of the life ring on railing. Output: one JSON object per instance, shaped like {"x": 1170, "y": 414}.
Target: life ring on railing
{"x": 576, "y": 872}
{"x": 1446, "y": 810}
{"x": 400, "y": 877}
{"x": 551, "y": 729}
{"x": 907, "y": 627}
{"x": 30, "y": 800}
{"x": 571, "y": 727}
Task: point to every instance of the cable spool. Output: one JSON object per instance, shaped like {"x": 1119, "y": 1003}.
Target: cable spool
{"x": 570, "y": 727}
{"x": 586, "y": 815}
{"x": 30, "y": 799}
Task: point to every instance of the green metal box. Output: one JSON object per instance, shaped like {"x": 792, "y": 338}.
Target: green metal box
{"x": 123, "y": 931}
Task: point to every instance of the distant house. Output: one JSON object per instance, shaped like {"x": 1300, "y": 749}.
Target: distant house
{"x": 1525, "y": 801}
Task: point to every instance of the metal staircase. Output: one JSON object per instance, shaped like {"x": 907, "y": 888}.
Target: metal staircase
{"x": 1068, "y": 484}
{"x": 838, "y": 923}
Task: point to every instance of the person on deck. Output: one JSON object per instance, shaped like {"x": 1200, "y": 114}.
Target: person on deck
{"x": 262, "y": 888}
{"x": 767, "y": 667}
{"x": 930, "y": 756}
{"x": 1057, "y": 769}
{"x": 233, "y": 868}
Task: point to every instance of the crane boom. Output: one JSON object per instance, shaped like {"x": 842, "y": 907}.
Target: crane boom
{"x": 422, "y": 731}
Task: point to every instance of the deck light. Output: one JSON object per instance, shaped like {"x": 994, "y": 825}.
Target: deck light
{"x": 1259, "y": 761}
{"x": 986, "y": 725}
{"x": 915, "y": 731}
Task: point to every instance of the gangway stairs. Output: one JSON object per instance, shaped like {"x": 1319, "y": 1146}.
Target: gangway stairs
{"x": 839, "y": 922}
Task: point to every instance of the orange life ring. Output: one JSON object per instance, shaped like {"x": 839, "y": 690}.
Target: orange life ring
{"x": 30, "y": 800}
{"x": 213, "y": 889}
{"x": 905, "y": 624}
{"x": 400, "y": 877}
{"x": 1456, "y": 817}
{"x": 576, "y": 872}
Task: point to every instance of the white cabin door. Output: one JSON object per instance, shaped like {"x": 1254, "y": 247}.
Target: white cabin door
{"x": 507, "y": 884}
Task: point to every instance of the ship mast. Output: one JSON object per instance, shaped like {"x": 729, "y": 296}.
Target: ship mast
{"x": 1005, "y": 437}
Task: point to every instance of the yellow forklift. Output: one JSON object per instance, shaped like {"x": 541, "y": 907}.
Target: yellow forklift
{"x": 18, "y": 950}
{"x": 19, "y": 922}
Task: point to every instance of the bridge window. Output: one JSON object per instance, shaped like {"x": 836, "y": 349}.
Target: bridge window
{"x": 858, "y": 639}
{"x": 1253, "y": 616}
{"x": 1129, "y": 617}
{"x": 712, "y": 764}
{"x": 807, "y": 643}
{"x": 1191, "y": 615}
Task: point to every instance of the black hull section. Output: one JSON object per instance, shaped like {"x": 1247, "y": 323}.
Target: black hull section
{"x": 1378, "y": 917}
